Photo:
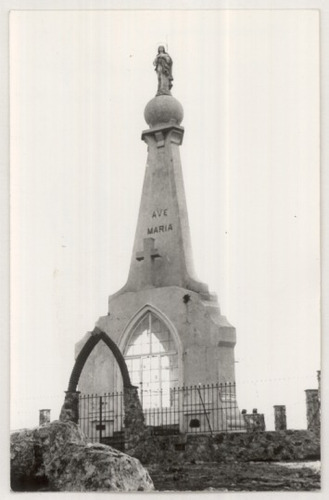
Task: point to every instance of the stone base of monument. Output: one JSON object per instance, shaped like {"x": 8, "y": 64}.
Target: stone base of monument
{"x": 58, "y": 457}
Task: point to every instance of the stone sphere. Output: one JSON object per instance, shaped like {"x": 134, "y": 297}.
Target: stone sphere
{"x": 163, "y": 109}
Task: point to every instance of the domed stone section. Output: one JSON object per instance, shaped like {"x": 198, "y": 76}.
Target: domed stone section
{"x": 163, "y": 110}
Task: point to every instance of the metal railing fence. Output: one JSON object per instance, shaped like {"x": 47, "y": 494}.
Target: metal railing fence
{"x": 198, "y": 409}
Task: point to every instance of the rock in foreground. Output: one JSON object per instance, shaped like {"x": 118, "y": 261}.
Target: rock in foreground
{"x": 58, "y": 457}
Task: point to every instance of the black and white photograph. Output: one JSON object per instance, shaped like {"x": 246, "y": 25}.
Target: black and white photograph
{"x": 165, "y": 247}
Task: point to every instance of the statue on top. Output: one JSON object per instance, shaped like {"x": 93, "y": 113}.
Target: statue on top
{"x": 163, "y": 67}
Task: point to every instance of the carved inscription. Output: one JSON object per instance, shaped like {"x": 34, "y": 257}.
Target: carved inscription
{"x": 159, "y": 212}
{"x": 159, "y": 229}
{"x": 163, "y": 228}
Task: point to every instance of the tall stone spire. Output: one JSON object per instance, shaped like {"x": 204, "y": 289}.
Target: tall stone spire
{"x": 162, "y": 298}
{"x": 162, "y": 253}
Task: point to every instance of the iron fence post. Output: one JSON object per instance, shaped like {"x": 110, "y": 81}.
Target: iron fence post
{"x": 100, "y": 418}
{"x": 141, "y": 384}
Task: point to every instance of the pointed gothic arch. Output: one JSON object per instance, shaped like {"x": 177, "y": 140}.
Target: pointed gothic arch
{"x": 96, "y": 336}
{"x": 138, "y": 316}
{"x": 134, "y": 419}
{"x": 152, "y": 350}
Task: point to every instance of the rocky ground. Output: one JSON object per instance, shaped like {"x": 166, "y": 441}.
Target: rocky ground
{"x": 57, "y": 456}
{"x": 252, "y": 476}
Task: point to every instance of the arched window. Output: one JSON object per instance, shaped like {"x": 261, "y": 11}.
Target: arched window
{"x": 152, "y": 361}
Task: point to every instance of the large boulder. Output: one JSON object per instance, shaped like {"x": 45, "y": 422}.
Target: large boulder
{"x": 58, "y": 457}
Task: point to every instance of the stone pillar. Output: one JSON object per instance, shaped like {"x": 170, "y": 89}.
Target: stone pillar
{"x": 44, "y": 417}
{"x": 319, "y": 384}
{"x": 70, "y": 408}
{"x": 280, "y": 418}
{"x": 312, "y": 410}
{"x": 255, "y": 422}
{"x": 134, "y": 418}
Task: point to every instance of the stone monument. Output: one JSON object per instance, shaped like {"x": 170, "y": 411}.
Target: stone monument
{"x": 165, "y": 321}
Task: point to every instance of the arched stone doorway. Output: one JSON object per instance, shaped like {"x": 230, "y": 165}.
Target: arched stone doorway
{"x": 134, "y": 418}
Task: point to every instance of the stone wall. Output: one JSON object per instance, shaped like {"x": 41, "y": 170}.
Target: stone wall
{"x": 242, "y": 447}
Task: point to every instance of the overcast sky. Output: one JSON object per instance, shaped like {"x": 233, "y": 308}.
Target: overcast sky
{"x": 249, "y": 85}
